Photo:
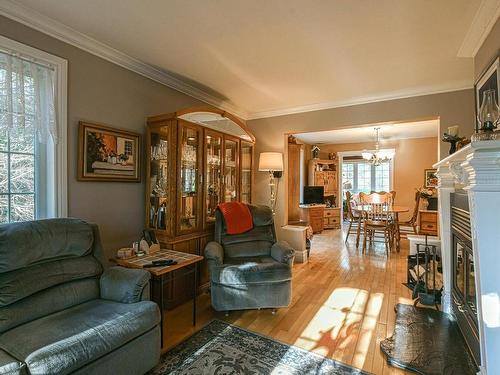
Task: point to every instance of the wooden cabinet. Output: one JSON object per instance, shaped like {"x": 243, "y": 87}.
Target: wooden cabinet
{"x": 313, "y": 216}
{"x": 325, "y": 173}
{"x": 331, "y": 218}
{"x": 429, "y": 222}
{"x": 192, "y": 166}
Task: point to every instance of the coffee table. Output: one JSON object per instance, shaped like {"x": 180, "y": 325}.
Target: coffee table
{"x": 188, "y": 263}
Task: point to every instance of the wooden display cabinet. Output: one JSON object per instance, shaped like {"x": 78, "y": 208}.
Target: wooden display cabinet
{"x": 196, "y": 158}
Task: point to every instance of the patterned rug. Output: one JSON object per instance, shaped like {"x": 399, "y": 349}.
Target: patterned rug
{"x": 221, "y": 348}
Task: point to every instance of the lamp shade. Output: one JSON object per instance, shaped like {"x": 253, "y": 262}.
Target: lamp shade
{"x": 271, "y": 161}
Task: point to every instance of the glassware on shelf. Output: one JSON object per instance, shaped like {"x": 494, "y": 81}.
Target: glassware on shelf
{"x": 230, "y": 172}
{"x": 488, "y": 118}
{"x": 213, "y": 147}
{"x": 189, "y": 178}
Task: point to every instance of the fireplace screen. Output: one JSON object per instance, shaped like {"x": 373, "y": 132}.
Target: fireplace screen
{"x": 464, "y": 300}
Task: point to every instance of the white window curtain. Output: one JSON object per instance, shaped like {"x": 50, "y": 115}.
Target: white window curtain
{"x": 27, "y": 97}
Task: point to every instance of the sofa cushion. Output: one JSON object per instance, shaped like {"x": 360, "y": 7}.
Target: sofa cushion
{"x": 10, "y": 365}
{"x": 26, "y": 243}
{"x": 239, "y": 271}
{"x": 67, "y": 340}
{"x": 48, "y": 301}
{"x": 22, "y": 283}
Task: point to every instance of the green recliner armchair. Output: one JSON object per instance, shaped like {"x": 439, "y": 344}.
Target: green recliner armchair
{"x": 249, "y": 270}
{"x": 60, "y": 313}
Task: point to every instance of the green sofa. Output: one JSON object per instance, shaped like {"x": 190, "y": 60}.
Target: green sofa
{"x": 60, "y": 313}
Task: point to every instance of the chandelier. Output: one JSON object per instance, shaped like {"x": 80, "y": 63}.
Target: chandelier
{"x": 379, "y": 156}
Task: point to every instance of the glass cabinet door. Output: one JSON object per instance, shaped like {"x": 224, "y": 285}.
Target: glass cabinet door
{"x": 246, "y": 172}
{"x": 230, "y": 170}
{"x": 188, "y": 183}
{"x": 213, "y": 174}
{"x": 158, "y": 179}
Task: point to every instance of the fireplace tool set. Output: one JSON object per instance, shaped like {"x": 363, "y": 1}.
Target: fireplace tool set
{"x": 425, "y": 275}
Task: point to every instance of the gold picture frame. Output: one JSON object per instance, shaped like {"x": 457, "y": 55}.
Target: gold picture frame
{"x": 108, "y": 154}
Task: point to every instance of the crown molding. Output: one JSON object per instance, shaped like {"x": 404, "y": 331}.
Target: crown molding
{"x": 46, "y": 25}
{"x": 402, "y": 94}
{"x": 485, "y": 18}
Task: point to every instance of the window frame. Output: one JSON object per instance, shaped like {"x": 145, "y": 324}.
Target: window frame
{"x": 59, "y": 171}
{"x": 343, "y": 154}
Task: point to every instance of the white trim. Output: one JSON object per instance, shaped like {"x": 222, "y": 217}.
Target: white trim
{"x": 46, "y": 25}
{"x": 61, "y": 73}
{"x": 482, "y": 23}
{"x": 402, "y": 94}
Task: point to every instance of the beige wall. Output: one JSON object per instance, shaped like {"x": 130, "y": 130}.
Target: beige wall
{"x": 453, "y": 108}
{"x": 103, "y": 92}
{"x": 488, "y": 51}
{"x": 412, "y": 157}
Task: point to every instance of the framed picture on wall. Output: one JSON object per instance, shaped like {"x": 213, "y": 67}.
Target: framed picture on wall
{"x": 430, "y": 178}
{"x": 108, "y": 154}
{"x": 489, "y": 80}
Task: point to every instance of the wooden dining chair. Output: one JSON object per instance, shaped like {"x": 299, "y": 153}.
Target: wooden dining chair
{"x": 392, "y": 193}
{"x": 376, "y": 218}
{"x": 352, "y": 201}
{"x": 404, "y": 226}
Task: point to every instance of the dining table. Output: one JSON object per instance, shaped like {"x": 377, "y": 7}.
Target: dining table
{"x": 391, "y": 209}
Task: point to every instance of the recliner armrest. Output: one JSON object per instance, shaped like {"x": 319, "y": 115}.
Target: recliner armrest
{"x": 214, "y": 252}
{"x": 282, "y": 252}
{"x": 125, "y": 285}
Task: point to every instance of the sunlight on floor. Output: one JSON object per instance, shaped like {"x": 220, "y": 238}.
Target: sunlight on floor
{"x": 347, "y": 316}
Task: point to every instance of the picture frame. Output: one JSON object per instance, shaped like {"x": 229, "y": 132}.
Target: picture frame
{"x": 489, "y": 79}
{"x": 108, "y": 154}
{"x": 430, "y": 178}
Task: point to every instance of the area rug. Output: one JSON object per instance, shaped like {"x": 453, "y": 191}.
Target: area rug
{"x": 221, "y": 348}
{"x": 428, "y": 342}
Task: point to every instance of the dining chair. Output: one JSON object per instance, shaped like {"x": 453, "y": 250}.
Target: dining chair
{"x": 352, "y": 200}
{"x": 392, "y": 193}
{"x": 376, "y": 218}
{"x": 404, "y": 226}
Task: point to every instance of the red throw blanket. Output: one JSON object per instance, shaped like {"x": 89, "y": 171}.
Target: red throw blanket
{"x": 237, "y": 216}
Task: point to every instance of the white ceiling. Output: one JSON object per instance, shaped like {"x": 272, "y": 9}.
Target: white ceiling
{"x": 266, "y": 58}
{"x": 388, "y": 132}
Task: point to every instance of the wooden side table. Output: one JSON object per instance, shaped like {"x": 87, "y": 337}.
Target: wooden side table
{"x": 428, "y": 222}
{"x": 188, "y": 263}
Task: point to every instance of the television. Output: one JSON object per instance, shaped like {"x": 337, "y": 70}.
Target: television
{"x": 313, "y": 195}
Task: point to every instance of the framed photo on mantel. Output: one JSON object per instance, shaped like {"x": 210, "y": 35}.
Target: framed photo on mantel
{"x": 108, "y": 154}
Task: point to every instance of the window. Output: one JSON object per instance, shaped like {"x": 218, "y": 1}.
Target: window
{"x": 360, "y": 176}
{"x": 32, "y": 133}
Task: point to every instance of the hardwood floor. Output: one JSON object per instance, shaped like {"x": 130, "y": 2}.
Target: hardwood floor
{"x": 342, "y": 306}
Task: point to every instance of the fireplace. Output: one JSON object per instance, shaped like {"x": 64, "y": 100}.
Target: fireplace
{"x": 464, "y": 300}
{"x": 471, "y": 273}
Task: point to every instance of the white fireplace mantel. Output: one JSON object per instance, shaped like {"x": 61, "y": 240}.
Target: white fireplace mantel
{"x": 476, "y": 169}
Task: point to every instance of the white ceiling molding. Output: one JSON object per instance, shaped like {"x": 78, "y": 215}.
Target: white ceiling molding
{"x": 46, "y": 25}
{"x": 363, "y": 100}
{"x": 484, "y": 20}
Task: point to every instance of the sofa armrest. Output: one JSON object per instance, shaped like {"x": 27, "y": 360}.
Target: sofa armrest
{"x": 282, "y": 252}
{"x": 125, "y": 285}
{"x": 214, "y": 253}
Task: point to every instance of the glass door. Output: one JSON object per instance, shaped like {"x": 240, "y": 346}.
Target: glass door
{"x": 158, "y": 177}
{"x": 246, "y": 172}
{"x": 213, "y": 174}
{"x": 189, "y": 180}
{"x": 230, "y": 169}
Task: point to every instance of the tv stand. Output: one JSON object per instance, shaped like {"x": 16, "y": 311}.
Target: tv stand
{"x": 313, "y": 214}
